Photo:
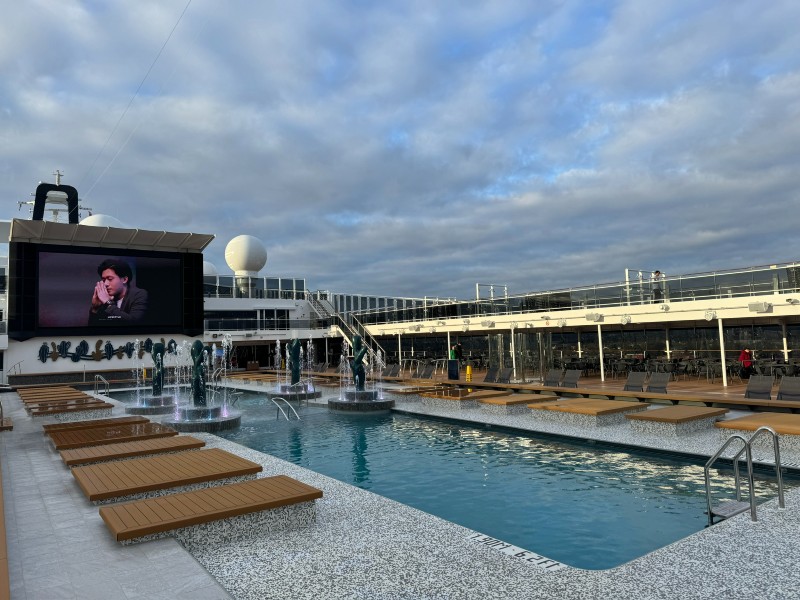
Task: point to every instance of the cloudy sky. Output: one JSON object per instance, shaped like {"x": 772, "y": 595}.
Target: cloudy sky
{"x": 418, "y": 147}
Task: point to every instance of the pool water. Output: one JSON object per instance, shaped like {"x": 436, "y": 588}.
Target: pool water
{"x": 583, "y": 505}
{"x": 589, "y": 506}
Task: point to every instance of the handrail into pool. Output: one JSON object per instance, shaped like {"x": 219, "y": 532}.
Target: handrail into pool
{"x": 729, "y": 509}
{"x": 106, "y": 386}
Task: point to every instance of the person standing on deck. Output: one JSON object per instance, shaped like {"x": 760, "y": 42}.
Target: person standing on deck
{"x": 658, "y": 293}
{"x": 746, "y": 358}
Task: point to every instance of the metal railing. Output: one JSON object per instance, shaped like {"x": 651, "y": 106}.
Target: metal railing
{"x": 106, "y": 385}
{"x": 729, "y": 509}
{"x": 752, "y": 281}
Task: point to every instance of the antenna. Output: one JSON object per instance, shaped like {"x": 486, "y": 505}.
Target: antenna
{"x": 57, "y": 200}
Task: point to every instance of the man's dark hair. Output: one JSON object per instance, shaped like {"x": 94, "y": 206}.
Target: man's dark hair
{"x": 120, "y": 267}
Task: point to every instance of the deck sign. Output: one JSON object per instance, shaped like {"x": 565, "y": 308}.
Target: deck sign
{"x": 548, "y": 564}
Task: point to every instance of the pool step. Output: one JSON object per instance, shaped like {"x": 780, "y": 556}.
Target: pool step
{"x": 726, "y": 510}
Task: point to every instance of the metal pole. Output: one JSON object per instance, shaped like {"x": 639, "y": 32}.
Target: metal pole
{"x": 513, "y": 355}
{"x": 600, "y": 345}
{"x": 722, "y": 356}
{"x": 785, "y": 345}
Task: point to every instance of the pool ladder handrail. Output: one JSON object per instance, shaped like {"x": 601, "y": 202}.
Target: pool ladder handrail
{"x": 106, "y": 385}
{"x": 729, "y": 509}
{"x": 278, "y": 406}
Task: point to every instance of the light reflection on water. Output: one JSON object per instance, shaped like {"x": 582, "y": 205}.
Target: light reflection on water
{"x": 582, "y": 504}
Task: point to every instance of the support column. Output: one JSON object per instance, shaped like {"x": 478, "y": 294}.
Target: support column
{"x": 785, "y": 343}
{"x": 722, "y": 354}
{"x": 513, "y": 356}
{"x": 600, "y": 346}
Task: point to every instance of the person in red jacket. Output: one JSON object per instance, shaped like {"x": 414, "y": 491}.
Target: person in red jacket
{"x": 746, "y": 358}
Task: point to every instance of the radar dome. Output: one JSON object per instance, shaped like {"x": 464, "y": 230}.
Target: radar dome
{"x": 246, "y": 255}
{"x": 102, "y": 221}
{"x": 209, "y": 269}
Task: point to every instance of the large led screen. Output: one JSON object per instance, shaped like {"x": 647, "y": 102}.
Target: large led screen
{"x": 69, "y": 290}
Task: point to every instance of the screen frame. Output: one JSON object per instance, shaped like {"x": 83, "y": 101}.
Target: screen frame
{"x": 24, "y": 287}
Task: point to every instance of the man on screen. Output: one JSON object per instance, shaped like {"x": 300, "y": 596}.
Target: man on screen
{"x": 115, "y": 298}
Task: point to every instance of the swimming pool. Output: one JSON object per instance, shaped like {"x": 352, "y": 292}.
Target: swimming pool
{"x": 589, "y": 506}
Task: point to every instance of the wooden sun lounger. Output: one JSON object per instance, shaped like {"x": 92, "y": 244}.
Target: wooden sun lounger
{"x": 61, "y": 402}
{"x": 106, "y": 452}
{"x": 461, "y": 394}
{"x": 516, "y": 399}
{"x": 76, "y": 425}
{"x": 69, "y": 408}
{"x": 130, "y": 520}
{"x": 588, "y": 406}
{"x": 96, "y": 436}
{"x": 781, "y": 423}
{"x": 53, "y": 397}
{"x": 138, "y": 475}
{"x": 677, "y": 414}
{"x": 28, "y": 392}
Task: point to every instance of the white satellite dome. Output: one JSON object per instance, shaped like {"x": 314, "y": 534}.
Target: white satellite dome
{"x": 246, "y": 255}
{"x": 99, "y": 220}
{"x": 209, "y": 269}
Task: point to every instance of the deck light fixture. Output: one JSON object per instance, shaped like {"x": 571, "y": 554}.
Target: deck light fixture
{"x": 710, "y": 315}
{"x": 759, "y": 307}
{"x": 596, "y": 317}
{"x": 665, "y": 307}
{"x": 562, "y": 322}
{"x": 625, "y": 319}
{"x": 487, "y": 323}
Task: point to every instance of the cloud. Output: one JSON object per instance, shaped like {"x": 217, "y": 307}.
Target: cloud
{"x": 410, "y": 148}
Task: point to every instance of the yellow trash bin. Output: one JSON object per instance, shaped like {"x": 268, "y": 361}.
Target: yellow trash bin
{"x": 469, "y": 373}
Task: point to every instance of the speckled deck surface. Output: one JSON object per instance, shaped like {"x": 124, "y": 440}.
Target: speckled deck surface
{"x": 365, "y": 546}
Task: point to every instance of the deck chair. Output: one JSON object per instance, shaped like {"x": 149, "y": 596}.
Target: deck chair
{"x": 658, "y": 382}
{"x": 759, "y": 387}
{"x": 504, "y": 376}
{"x": 491, "y": 375}
{"x": 553, "y": 378}
{"x": 571, "y": 378}
{"x": 789, "y": 388}
{"x": 635, "y": 381}
{"x": 426, "y": 372}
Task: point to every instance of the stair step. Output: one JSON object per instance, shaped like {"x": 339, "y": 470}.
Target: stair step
{"x": 726, "y": 510}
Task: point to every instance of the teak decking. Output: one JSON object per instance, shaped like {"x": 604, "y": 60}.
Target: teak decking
{"x": 130, "y": 520}
{"x": 63, "y": 440}
{"x": 124, "y": 478}
{"x": 93, "y": 454}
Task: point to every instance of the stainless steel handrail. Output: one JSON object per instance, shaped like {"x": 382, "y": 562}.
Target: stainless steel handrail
{"x": 286, "y": 402}
{"x": 106, "y": 385}
{"x": 777, "y": 450}
{"x": 748, "y": 451}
